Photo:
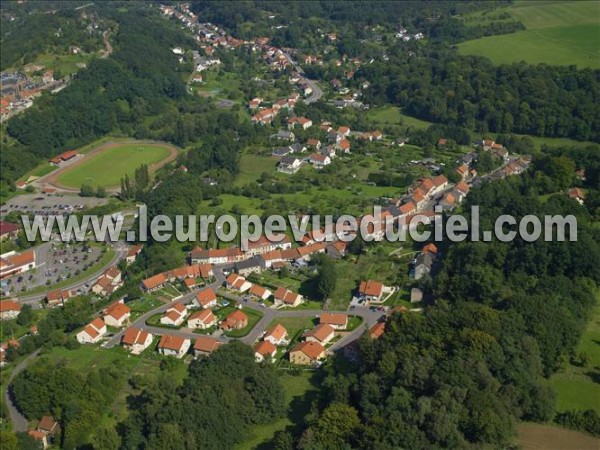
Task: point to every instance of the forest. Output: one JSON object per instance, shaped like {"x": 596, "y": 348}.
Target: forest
{"x": 507, "y": 315}
{"x": 117, "y": 93}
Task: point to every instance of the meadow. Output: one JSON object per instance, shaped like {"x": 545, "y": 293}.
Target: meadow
{"x": 575, "y": 387}
{"x": 106, "y": 167}
{"x": 557, "y": 33}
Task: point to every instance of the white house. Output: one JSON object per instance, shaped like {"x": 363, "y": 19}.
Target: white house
{"x": 9, "y": 309}
{"x": 260, "y": 292}
{"x": 319, "y": 161}
{"x": 92, "y": 332}
{"x": 284, "y": 297}
{"x": 202, "y": 319}
{"x": 136, "y": 340}
{"x": 264, "y": 351}
{"x": 207, "y": 298}
{"x": 174, "y": 315}
{"x": 173, "y": 346}
{"x": 238, "y": 283}
{"x": 117, "y": 314}
{"x": 289, "y": 164}
{"x": 277, "y": 335}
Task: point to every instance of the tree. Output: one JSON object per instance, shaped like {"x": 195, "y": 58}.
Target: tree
{"x": 326, "y": 277}
{"x": 26, "y": 315}
{"x": 86, "y": 190}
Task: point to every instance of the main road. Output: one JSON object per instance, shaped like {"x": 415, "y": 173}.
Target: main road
{"x": 317, "y": 92}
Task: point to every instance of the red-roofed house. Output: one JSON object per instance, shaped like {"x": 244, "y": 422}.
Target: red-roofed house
{"x": 377, "y": 330}
{"x": 92, "y": 332}
{"x": 319, "y": 161}
{"x": 284, "y": 297}
{"x": 344, "y": 131}
{"x": 276, "y": 335}
{"x": 136, "y": 340}
{"x": 39, "y": 436}
{"x": 8, "y": 230}
{"x": 343, "y": 145}
{"x": 371, "y": 291}
{"x": 307, "y": 353}
{"x": 577, "y": 195}
{"x": 237, "y": 283}
{"x": 9, "y": 309}
{"x": 174, "y": 315}
{"x": 154, "y": 283}
{"x": 260, "y": 292}
{"x": 202, "y": 319}
{"x": 57, "y": 298}
{"x": 264, "y": 350}
{"x": 133, "y": 253}
{"x": 12, "y": 263}
{"x": 173, "y": 346}
{"x": 337, "y": 321}
{"x": 322, "y": 333}
{"x": 207, "y": 298}
{"x": 235, "y": 321}
{"x": 205, "y": 345}
{"x": 117, "y": 314}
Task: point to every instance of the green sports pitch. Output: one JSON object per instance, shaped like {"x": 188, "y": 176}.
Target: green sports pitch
{"x": 109, "y": 163}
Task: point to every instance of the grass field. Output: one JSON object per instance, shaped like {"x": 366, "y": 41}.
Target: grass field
{"x": 106, "y": 168}
{"x": 391, "y": 115}
{"x": 575, "y": 387}
{"x": 558, "y": 32}
{"x": 252, "y": 166}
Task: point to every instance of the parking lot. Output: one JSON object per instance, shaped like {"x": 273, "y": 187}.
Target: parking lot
{"x": 49, "y": 204}
{"x": 55, "y": 262}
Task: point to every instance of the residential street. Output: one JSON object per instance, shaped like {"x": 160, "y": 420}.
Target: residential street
{"x": 269, "y": 315}
{"x": 18, "y": 420}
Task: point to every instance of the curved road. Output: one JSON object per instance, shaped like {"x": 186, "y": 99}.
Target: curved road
{"x": 18, "y": 420}
{"x": 269, "y": 314}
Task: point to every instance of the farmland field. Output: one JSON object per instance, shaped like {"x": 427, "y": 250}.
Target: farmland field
{"x": 534, "y": 436}
{"x": 106, "y": 165}
{"x": 559, "y": 33}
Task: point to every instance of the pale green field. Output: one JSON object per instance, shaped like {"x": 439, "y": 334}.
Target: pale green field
{"x": 574, "y": 387}
{"x": 558, "y": 33}
{"x": 391, "y": 115}
{"x": 106, "y": 168}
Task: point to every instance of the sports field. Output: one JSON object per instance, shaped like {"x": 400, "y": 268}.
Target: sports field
{"x": 557, "y": 33}
{"x": 107, "y": 164}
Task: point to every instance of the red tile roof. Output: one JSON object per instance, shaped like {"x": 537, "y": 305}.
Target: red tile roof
{"x": 134, "y": 336}
{"x": 277, "y": 331}
{"x": 206, "y": 344}
{"x": 311, "y": 349}
{"x": 333, "y": 319}
{"x": 9, "y": 305}
{"x": 265, "y": 348}
{"x": 206, "y": 296}
{"x": 371, "y": 288}
{"x": 171, "y": 342}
